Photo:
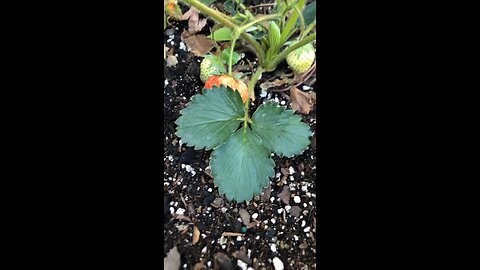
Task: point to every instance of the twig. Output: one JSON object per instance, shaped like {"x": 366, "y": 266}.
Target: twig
{"x": 305, "y": 76}
{"x": 262, "y": 5}
{"x": 232, "y": 234}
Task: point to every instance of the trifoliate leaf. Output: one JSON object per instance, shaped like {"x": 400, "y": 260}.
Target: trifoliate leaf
{"x": 241, "y": 167}
{"x": 210, "y": 119}
{"x": 281, "y": 131}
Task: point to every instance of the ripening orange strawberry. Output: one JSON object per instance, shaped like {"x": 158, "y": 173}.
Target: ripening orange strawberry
{"x": 229, "y": 81}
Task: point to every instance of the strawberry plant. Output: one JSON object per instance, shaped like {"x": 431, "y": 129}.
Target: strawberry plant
{"x": 218, "y": 119}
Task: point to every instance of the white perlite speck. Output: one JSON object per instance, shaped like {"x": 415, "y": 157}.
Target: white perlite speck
{"x": 263, "y": 93}
{"x": 172, "y": 210}
{"x": 297, "y": 199}
{"x": 282, "y": 102}
{"x": 303, "y": 223}
{"x": 182, "y": 46}
{"x": 180, "y": 211}
{"x": 278, "y": 264}
{"x": 273, "y": 247}
{"x": 291, "y": 170}
{"x": 209, "y": 189}
{"x": 306, "y": 87}
{"x": 188, "y": 168}
{"x": 255, "y": 215}
{"x": 272, "y": 199}
{"x": 239, "y": 238}
{"x": 166, "y": 82}
{"x": 272, "y": 220}
{"x": 307, "y": 229}
{"x": 287, "y": 208}
{"x": 204, "y": 250}
{"x": 242, "y": 265}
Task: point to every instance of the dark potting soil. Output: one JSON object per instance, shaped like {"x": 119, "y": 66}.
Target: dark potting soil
{"x": 285, "y": 231}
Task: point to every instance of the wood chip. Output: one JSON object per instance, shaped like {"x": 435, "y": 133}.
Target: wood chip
{"x": 196, "y": 235}
{"x": 181, "y": 217}
{"x": 285, "y": 195}
{"x": 252, "y": 224}
{"x": 242, "y": 255}
{"x": 171, "y": 61}
{"x": 199, "y": 266}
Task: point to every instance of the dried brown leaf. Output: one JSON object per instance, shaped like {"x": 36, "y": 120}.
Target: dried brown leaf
{"x": 195, "y": 24}
{"x": 172, "y": 261}
{"x": 199, "y": 45}
{"x": 196, "y": 235}
{"x": 302, "y": 101}
{"x": 187, "y": 14}
{"x": 285, "y": 195}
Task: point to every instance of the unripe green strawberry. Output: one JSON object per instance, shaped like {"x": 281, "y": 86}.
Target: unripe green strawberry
{"x": 301, "y": 59}
{"x": 208, "y": 68}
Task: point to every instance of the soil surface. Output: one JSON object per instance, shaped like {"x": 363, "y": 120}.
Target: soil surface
{"x": 277, "y": 230}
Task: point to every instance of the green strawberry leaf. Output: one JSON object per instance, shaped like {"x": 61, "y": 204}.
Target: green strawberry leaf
{"x": 210, "y": 119}
{"x": 241, "y": 167}
{"x": 226, "y": 55}
{"x": 222, "y": 34}
{"x": 309, "y": 14}
{"x": 281, "y": 131}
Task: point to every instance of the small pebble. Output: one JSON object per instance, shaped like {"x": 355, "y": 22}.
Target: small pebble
{"x": 278, "y": 264}
{"x": 245, "y": 216}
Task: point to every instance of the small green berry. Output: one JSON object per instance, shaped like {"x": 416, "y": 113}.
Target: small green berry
{"x": 208, "y": 68}
{"x": 301, "y": 59}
